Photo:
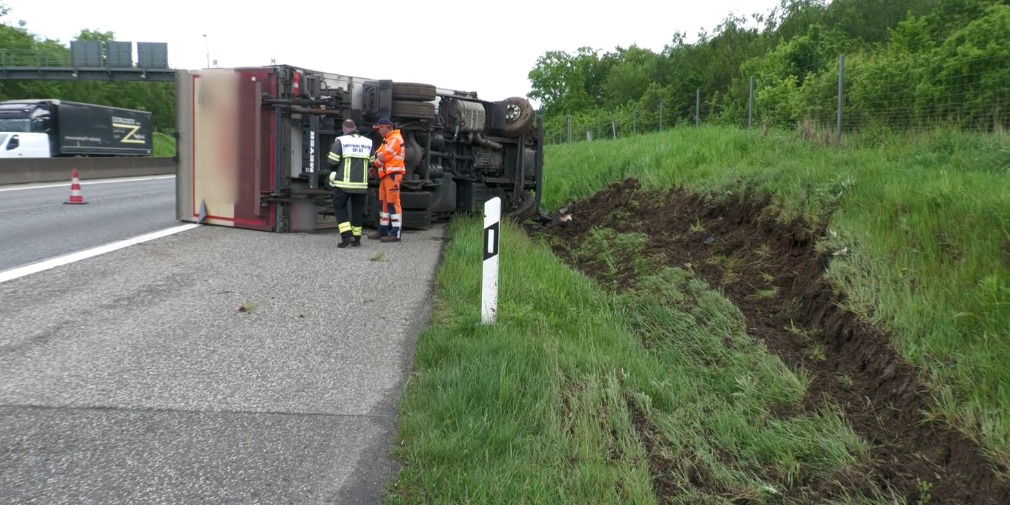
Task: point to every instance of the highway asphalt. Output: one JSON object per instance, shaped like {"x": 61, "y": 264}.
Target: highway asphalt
{"x": 35, "y": 224}
{"x": 211, "y": 366}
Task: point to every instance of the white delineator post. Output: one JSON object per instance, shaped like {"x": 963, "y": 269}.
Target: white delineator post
{"x": 492, "y": 232}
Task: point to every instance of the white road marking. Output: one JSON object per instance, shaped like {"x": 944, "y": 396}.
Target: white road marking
{"x": 88, "y": 183}
{"x": 88, "y": 200}
{"x": 66, "y": 259}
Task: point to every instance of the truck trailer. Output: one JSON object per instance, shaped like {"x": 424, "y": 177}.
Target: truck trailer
{"x": 253, "y": 144}
{"x": 78, "y": 129}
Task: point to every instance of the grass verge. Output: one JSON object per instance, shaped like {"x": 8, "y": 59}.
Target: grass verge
{"x": 919, "y": 224}
{"x": 164, "y": 145}
{"x": 583, "y": 395}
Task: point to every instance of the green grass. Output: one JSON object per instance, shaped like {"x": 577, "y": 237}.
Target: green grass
{"x": 923, "y": 221}
{"x": 541, "y": 407}
{"x": 164, "y": 145}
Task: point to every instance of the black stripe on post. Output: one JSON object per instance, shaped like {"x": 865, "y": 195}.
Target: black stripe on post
{"x": 491, "y": 236}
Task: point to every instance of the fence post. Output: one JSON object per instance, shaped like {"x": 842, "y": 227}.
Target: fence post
{"x": 841, "y": 94}
{"x": 750, "y": 105}
{"x": 697, "y": 107}
{"x": 661, "y": 115}
{"x": 613, "y": 127}
{"x": 569, "y": 129}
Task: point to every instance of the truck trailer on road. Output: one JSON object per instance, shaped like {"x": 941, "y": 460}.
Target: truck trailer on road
{"x": 253, "y": 144}
{"x": 74, "y": 129}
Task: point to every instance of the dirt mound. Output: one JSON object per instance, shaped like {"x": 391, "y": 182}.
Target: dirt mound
{"x": 772, "y": 272}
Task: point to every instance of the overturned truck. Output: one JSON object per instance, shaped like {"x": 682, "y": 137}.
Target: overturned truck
{"x": 252, "y": 147}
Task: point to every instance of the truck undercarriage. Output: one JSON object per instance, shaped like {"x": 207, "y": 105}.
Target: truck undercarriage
{"x": 253, "y": 144}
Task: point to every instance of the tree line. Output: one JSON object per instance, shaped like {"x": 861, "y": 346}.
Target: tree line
{"x": 907, "y": 62}
{"x": 16, "y": 40}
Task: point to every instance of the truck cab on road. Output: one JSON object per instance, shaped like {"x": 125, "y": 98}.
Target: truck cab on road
{"x": 24, "y": 145}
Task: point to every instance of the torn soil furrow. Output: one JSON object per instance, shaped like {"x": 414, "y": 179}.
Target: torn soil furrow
{"x": 772, "y": 272}
{"x": 670, "y": 475}
{"x": 661, "y": 466}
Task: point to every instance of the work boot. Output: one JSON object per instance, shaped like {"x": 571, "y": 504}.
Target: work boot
{"x": 374, "y": 235}
{"x": 389, "y": 238}
{"x": 344, "y": 242}
{"x": 356, "y": 242}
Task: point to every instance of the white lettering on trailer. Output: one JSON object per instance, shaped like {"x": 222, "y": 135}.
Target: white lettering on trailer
{"x": 312, "y": 153}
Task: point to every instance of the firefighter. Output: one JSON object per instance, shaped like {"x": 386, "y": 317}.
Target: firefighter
{"x": 350, "y": 155}
{"x": 391, "y": 170}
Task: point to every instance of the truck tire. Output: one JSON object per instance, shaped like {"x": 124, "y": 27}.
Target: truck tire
{"x": 413, "y": 110}
{"x": 416, "y": 219}
{"x": 519, "y": 116}
{"x": 413, "y": 91}
{"x": 526, "y": 206}
{"x": 415, "y": 199}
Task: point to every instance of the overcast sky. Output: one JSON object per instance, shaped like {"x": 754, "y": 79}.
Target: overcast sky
{"x": 469, "y": 45}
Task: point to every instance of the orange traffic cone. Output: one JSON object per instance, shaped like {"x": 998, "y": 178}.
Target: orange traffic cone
{"x": 75, "y": 190}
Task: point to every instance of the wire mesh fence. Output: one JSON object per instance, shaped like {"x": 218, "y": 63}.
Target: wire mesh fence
{"x": 969, "y": 94}
{"x": 16, "y": 58}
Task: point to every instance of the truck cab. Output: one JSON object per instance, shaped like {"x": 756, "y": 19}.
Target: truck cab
{"x": 24, "y": 145}
{"x": 22, "y": 124}
{"x": 24, "y": 116}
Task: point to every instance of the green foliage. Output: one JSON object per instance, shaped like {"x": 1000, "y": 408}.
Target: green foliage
{"x": 86, "y": 34}
{"x": 566, "y": 82}
{"x": 631, "y": 74}
{"x": 909, "y": 63}
{"x": 164, "y": 145}
{"x": 157, "y": 98}
{"x": 871, "y": 20}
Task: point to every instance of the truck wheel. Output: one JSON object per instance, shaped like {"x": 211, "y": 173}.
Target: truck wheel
{"x": 415, "y": 199}
{"x": 519, "y": 116}
{"x": 416, "y": 219}
{"x": 413, "y": 110}
{"x": 525, "y": 206}
{"x": 413, "y": 91}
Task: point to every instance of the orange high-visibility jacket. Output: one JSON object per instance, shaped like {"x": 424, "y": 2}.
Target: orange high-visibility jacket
{"x": 391, "y": 153}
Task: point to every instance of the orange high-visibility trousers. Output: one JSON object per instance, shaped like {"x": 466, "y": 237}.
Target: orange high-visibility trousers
{"x": 390, "y": 211}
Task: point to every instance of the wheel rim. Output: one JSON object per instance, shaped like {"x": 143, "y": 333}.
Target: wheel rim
{"x": 512, "y": 112}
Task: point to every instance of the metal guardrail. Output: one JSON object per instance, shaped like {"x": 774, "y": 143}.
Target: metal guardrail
{"x": 94, "y": 61}
{"x": 34, "y": 58}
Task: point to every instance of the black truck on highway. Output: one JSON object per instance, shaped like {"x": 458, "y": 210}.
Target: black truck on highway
{"x": 80, "y": 129}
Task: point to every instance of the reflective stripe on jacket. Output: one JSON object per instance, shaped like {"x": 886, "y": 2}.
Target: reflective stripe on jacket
{"x": 351, "y": 154}
{"x": 392, "y": 154}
